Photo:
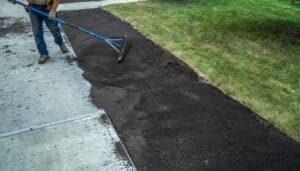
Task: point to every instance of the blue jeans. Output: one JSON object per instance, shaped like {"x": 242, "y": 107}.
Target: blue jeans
{"x": 37, "y": 28}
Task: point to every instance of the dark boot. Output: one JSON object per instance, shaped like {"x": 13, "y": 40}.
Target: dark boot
{"x": 43, "y": 59}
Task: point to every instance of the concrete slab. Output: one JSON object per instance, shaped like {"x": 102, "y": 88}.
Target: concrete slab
{"x": 47, "y": 93}
{"x": 11, "y": 10}
{"x": 47, "y": 121}
{"x": 90, "y": 4}
{"x": 77, "y": 145}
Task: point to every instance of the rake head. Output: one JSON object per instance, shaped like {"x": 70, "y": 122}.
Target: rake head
{"x": 123, "y": 49}
{"x": 120, "y": 46}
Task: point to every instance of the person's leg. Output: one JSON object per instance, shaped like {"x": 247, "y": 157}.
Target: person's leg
{"x": 37, "y": 28}
{"x": 53, "y": 27}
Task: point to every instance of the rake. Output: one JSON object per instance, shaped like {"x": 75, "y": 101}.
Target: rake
{"x": 119, "y": 45}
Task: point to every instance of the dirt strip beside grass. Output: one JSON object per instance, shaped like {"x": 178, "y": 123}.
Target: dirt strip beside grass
{"x": 167, "y": 116}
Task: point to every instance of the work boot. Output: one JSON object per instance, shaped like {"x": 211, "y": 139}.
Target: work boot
{"x": 43, "y": 59}
{"x": 63, "y": 48}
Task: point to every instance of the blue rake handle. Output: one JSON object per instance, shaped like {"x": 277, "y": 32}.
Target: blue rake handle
{"x": 61, "y": 21}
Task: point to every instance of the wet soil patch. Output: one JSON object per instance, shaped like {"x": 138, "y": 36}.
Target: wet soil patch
{"x": 10, "y": 25}
{"x": 167, "y": 116}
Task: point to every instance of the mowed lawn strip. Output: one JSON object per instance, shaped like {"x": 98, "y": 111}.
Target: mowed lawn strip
{"x": 250, "y": 49}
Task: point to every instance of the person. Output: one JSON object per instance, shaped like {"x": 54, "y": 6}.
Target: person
{"x": 48, "y": 6}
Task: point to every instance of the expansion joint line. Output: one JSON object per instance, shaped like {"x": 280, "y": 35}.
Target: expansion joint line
{"x": 74, "y": 119}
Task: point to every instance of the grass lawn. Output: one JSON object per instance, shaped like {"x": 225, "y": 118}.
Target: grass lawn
{"x": 248, "y": 48}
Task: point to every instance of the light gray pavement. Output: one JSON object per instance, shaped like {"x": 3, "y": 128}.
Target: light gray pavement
{"x": 47, "y": 121}
{"x": 91, "y": 4}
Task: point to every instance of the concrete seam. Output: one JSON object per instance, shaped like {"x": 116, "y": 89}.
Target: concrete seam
{"x": 74, "y": 119}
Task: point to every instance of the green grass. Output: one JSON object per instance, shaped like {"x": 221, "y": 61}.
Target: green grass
{"x": 248, "y": 48}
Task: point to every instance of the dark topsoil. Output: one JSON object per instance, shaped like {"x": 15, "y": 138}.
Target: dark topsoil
{"x": 167, "y": 117}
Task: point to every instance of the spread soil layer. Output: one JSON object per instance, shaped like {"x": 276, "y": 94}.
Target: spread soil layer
{"x": 167, "y": 116}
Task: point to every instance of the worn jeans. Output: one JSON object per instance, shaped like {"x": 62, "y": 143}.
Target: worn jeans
{"x": 37, "y": 28}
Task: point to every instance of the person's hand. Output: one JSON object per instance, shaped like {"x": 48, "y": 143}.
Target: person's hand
{"x": 52, "y": 15}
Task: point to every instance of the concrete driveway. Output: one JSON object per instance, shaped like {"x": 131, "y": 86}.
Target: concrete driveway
{"x": 47, "y": 121}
